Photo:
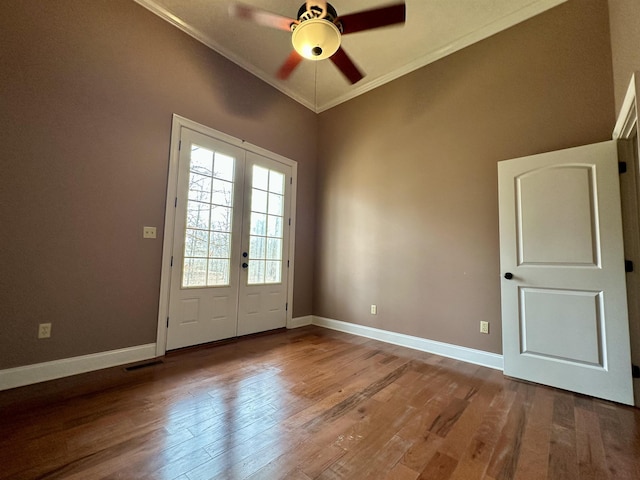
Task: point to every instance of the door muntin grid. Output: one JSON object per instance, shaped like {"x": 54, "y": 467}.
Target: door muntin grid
{"x": 208, "y": 222}
{"x": 266, "y": 235}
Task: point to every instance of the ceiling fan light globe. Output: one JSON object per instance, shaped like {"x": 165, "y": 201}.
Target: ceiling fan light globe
{"x": 316, "y": 39}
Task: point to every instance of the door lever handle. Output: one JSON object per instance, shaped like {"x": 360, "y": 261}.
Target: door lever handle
{"x": 245, "y": 265}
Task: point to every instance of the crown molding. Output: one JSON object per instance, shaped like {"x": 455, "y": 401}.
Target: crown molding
{"x": 532, "y": 9}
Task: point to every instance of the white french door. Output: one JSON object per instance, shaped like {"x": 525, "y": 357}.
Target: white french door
{"x": 564, "y": 311}
{"x": 265, "y": 269}
{"x": 229, "y": 245}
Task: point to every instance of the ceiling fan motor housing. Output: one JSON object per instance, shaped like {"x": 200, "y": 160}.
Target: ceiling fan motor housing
{"x": 316, "y": 12}
{"x": 316, "y": 37}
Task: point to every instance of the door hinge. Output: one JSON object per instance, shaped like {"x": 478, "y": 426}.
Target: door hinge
{"x": 175, "y": 202}
{"x": 635, "y": 371}
{"x": 628, "y": 266}
{"x": 286, "y": 307}
{"x": 287, "y": 263}
{"x": 171, "y": 262}
{"x": 167, "y": 322}
{"x": 290, "y": 180}
{"x": 622, "y": 167}
{"x": 179, "y": 145}
{"x": 289, "y": 222}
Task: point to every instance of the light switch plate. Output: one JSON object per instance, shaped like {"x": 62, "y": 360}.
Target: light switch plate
{"x": 149, "y": 232}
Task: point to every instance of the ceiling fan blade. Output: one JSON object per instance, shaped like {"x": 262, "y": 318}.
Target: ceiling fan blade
{"x": 375, "y": 18}
{"x": 262, "y": 17}
{"x": 341, "y": 60}
{"x": 289, "y": 65}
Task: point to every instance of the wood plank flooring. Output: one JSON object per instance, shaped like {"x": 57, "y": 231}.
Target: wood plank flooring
{"x": 311, "y": 404}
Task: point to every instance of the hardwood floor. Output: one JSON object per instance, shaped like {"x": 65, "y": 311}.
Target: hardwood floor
{"x": 311, "y": 404}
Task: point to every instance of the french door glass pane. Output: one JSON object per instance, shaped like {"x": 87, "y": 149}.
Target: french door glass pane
{"x": 199, "y": 188}
{"x": 218, "y": 272}
{"x": 259, "y": 201}
{"x": 219, "y": 245}
{"x": 275, "y": 204}
{"x": 274, "y": 249}
{"x": 256, "y": 272}
{"x": 276, "y": 182}
{"x": 257, "y": 247}
{"x": 222, "y": 192}
{"x": 273, "y": 272}
{"x": 274, "y": 226}
{"x": 198, "y": 215}
{"x": 196, "y": 243}
{"x": 260, "y": 178}
{"x": 201, "y": 161}
{"x": 224, "y": 167}
{"x": 258, "y": 224}
{"x": 194, "y": 272}
{"x": 221, "y": 218}
{"x": 266, "y": 229}
{"x": 207, "y": 245}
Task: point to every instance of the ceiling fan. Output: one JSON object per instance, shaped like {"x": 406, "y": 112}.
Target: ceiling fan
{"x": 318, "y": 30}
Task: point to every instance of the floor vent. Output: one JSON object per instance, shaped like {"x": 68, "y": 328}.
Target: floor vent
{"x": 142, "y": 365}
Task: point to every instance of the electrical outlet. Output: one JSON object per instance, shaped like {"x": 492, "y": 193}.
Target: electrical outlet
{"x": 149, "y": 232}
{"x": 44, "y": 330}
{"x": 484, "y": 327}
{"x": 374, "y": 310}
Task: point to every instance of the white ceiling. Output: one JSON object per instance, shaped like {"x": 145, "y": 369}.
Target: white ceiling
{"x": 434, "y": 29}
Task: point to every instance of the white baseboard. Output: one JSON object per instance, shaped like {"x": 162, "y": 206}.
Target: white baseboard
{"x": 478, "y": 357}
{"x": 300, "y": 322}
{"x": 41, "y": 372}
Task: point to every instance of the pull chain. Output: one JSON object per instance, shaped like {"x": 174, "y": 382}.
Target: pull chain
{"x": 315, "y": 88}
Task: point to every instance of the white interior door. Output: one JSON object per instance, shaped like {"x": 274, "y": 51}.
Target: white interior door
{"x": 228, "y": 200}
{"x": 564, "y": 310}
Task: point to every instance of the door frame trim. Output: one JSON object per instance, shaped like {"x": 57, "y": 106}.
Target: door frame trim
{"x": 177, "y": 124}
{"x": 625, "y": 129}
{"x": 627, "y": 121}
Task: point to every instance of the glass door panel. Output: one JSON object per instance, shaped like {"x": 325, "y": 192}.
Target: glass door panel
{"x": 267, "y": 214}
{"x": 208, "y": 222}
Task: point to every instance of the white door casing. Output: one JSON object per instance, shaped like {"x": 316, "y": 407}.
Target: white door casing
{"x": 630, "y": 195}
{"x": 564, "y": 312}
{"x": 626, "y": 132}
{"x": 199, "y": 315}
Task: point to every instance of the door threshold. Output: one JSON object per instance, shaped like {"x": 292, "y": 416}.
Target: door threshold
{"x": 226, "y": 341}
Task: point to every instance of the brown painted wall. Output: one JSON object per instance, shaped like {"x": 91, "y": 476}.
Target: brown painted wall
{"x": 407, "y": 195}
{"x": 624, "y": 17}
{"x": 87, "y": 90}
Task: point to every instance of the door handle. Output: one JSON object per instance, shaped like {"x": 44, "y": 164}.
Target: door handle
{"x": 508, "y": 275}
{"x": 245, "y": 254}
{"x": 245, "y": 265}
